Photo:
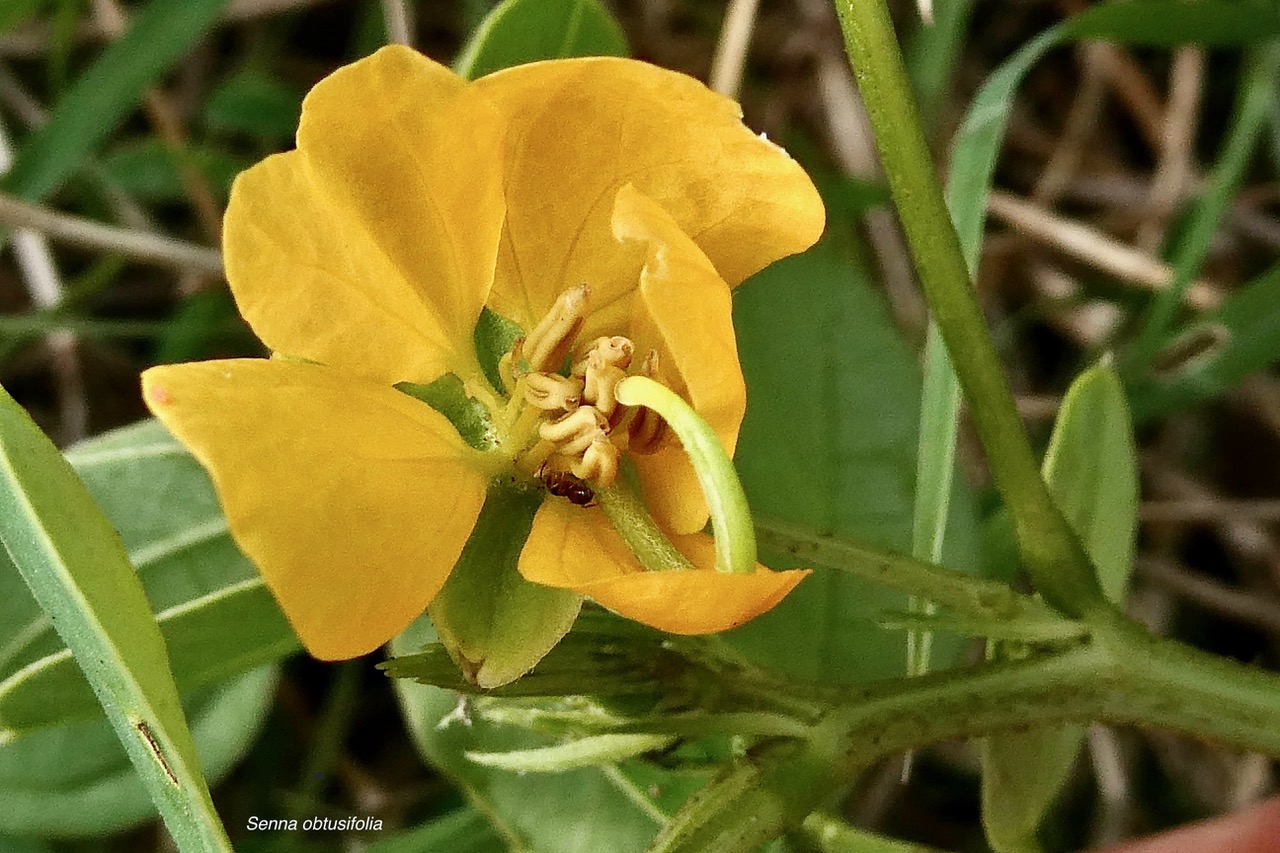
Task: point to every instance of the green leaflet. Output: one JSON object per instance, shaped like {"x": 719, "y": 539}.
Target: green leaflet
{"x": 77, "y": 569}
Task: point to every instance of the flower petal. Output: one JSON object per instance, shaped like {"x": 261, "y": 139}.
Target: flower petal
{"x": 373, "y": 246}
{"x": 684, "y": 313}
{"x": 404, "y": 146}
{"x": 576, "y": 548}
{"x": 353, "y": 500}
{"x": 313, "y": 284}
{"x": 578, "y": 129}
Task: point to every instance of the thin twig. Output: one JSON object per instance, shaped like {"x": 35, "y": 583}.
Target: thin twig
{"x": 169, "y": 127}
{"x": 396, "y": 15}
{"x": 73, "y": 230}
{"x": 1214, "y": 595}
{"x": 1175, "y": 164}
{"x": 1208, "y": 509}
{"x": 1080, "y": 124}
{"x": 1094, "y": 248}
{"x": 731, "y": 51}
{"x": 44, "y": 284}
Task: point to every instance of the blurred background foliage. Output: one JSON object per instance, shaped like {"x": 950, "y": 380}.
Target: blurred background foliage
{"x": 1122, "y": 169}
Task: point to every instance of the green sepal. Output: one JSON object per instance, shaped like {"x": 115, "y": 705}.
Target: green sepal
{"x": 1091, "y": 471}
{"x": 494, "y": 623}
{"x": 448, "y": 396}
{"x": 494, "y": 337}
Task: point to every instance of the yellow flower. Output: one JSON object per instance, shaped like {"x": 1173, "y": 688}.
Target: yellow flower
{"x": 365, "y": 258}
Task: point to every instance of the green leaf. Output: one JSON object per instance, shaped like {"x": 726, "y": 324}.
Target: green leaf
{"x": 1241, "y": 337}
{"x": 254, "y": 103}
{"x": 148, "y": 170}
{"x": 75, "y": 780}
{"x": 1091, "y": 470}
{"x": 159, "y": 34}
{"x": 463, "y": 830}
{"x": 494, "y": 623}
{"x": 217, "y": 618}
{"x": 520, "y": 31}
{"x": 829, "y": 442}
{"x": 1157, "y": 23}
{"x": 531, "y": 817}
{"x": 76, "y": 567}
{"x": 14, "y": 12}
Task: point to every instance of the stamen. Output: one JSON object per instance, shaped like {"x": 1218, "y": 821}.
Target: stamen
{"x": 547, "y": 346}
{"x": 647, "y": 429}
{"x": 551, "y": 392}
{"x": 574, "y": 433}
{"x": 615, "y": 351}
{"x": 599, "y": 462}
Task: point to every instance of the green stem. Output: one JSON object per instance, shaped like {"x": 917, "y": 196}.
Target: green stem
{"x": 1125, "y": 677}
{"x": 980, "y": 598}
{"x": 1053, "y": 556}
{"x": 638, "y": 530}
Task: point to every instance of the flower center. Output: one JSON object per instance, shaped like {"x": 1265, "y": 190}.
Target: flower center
{"x": 564, "y": 423}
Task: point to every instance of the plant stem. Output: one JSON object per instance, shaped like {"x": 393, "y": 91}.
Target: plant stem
{"x": 979, "y": 598}
{"x": 1053, "y": 556}
{"x": 1124, "y": 677}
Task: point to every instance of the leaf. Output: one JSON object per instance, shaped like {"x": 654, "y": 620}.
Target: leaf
{"x": 159, "y": 34}
{"x": 829, "y": 442}
{"x": 1091, "y": 470}
{"x": 148, "y": 169}
{"x": 217, "y": 618}
{"x": 463, "y": 830}
{"x": 13, "y": 13}
{"x": 256, "y": 104}
{"x": 78, "y": 571}
{"x": 1238, "y": 339}
{"x": 546, "y": 817}
{"x": 494, "y": 623}
{"x": 75, "y": 780}
{"x": 520, "y": 31}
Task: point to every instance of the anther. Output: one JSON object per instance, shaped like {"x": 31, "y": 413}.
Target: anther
{"x": 551, "y": 392}
{"x": 547, "y": 346}
{"x": 599, "y": 462}
{"x": 615, "y": 351}
{"x": 647, "y": 428}
{"x": 599, "y": 383}
{"x": 574, "y": 433}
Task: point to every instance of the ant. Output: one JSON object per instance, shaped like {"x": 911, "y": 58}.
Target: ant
{"x": 562, "y": 484}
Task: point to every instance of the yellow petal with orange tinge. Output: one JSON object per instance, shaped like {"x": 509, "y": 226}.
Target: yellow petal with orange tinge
{"x": 353, "y": 500}
{"x": 405, "y": 148}
{"x": 579, "y": 129}
{"x": 576, "y": 548}
{"x": 684, "y": 313}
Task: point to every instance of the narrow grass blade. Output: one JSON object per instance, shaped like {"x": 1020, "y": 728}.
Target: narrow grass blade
{"x": 77, "y": 569}
{"x": 1257, "y": 97}
{"x": 159, "y": 34}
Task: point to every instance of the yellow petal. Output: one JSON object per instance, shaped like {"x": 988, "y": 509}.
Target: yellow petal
{"x": 373, "y": 246}
{"x": 353, "y": 500}
{"x": 580, "y": 128}
{"x": 576, "y": 548}
{"x": 407, "y": 148}
{"x": 684, "y": 313}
